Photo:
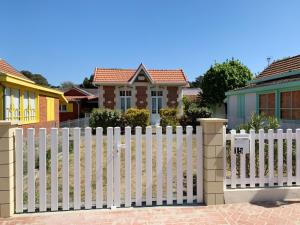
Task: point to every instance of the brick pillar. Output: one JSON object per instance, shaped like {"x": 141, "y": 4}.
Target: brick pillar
{"x": 7, "y": 178}
{"x": 213, "y": 139}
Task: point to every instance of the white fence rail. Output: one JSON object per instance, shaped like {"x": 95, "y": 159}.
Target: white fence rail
{"x": 273, "y": 160}
{"x": 102, "y": 170}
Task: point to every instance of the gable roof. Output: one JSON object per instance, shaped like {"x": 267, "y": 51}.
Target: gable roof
{"x": 11, "y": 71}
{"x": 281, "y": 66}
{"x": 105, "y": 75}
{"x": 76, "y": 93}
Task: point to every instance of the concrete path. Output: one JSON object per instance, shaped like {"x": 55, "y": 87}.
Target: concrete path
{"x": 265, "y": 213}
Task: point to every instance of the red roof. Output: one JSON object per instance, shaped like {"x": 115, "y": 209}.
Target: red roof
{"x": 9, "y": 70}
{"x": 281, "y": 66}
{"x": 103, "y": 75}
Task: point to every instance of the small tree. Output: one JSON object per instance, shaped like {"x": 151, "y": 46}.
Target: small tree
{"x": 88, "y": 82}
{"x": 66, "y": 84}
{"x": 221, "y": 78}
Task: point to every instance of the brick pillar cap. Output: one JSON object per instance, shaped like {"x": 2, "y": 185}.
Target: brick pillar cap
{"x": 212, "y": 120}
{"x": 9, "y": 123}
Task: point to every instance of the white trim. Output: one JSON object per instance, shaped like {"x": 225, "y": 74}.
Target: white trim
{"x": 141, "y": 67}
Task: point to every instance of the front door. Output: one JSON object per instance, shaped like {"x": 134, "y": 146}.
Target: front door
{"x": 156, "y": 105}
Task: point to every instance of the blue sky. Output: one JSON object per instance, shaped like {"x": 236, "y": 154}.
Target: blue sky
{"x": 65, "y": 40}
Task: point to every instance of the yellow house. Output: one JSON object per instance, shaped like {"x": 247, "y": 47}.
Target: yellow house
{"x": 24, "y": 101}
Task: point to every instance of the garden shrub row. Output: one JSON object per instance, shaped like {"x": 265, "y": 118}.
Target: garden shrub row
{"x": 141, "y": 117}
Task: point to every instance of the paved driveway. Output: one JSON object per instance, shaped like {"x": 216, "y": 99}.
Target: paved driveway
{"x": 266, "y": 213}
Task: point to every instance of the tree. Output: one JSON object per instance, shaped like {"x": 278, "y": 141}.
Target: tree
{"x": 221, "y": 78}
{"x": 66, "y": 84}
{"x": 88, "y": 82}
{"x": 197, "y": 82}
{"x": 37, "y": 78}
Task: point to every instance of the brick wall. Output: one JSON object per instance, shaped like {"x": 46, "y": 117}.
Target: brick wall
{"x": 172, "y": 97}
{"x": 141, "y": 97}
{"x": 109, "y": 97}
{"x": 43, "y": 123}
{"x": 64, "y": 116}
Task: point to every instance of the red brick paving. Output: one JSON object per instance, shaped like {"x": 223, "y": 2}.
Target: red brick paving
{"x": 266, "y": 213}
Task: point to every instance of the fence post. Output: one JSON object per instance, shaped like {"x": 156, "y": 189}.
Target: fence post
{"x": 7, "y": 167}
{"x": 213, "y": 139}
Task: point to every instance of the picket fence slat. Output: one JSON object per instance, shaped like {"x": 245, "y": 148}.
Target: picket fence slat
{"x": 88, "y": 168}
{"x": 179, "y": 174}
{"x": 99, "y": 172}
{"x": 289, "y": 157}
{"x": 148, "y": 165}
{"x": 116, "y": 167}
{"x": 110, "y": 168}
{"x": 42, "y": 170}
{"x": 77, "y": 189}
{"x": 261, "y": 157}
{"x": 252, "y": 158}
{"x": 233, "y": 160}
{"x": 271, "y": 156}
{"x": 243, "y": 166}
{"x": 159, "y": 167}
{"x": 127, "y": 166}
{"x": 169, "y": 166}
{"x": 138, "y": 186}
{"x": 280, "y": 157}
{"x": 31, "y": 169}
{"x": 54, "y": 169}
{"x": 19, "y": 170}
{"x": 65, "y": 151}
{"x": 189, "y": 162}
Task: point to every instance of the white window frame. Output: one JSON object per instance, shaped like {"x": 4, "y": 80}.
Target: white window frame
{"x": 155, "y": 95}
{"x": 61, "y": 109}
{"x": 125, "y": 96}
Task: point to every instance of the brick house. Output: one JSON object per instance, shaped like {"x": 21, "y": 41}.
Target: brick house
{"x": 24, "y": 101}
{"x": 80, "y": 102}
{"x": 140, "y": 88}
{"x": 274, "y": 92}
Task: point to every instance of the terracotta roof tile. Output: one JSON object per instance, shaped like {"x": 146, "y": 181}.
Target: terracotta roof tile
{"x": 103, "y": 75}
{"x": 281, "y": 66}
{"x": 8, "y": 69}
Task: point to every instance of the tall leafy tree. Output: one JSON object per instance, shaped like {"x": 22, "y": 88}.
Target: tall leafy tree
{"x": 37, "y": 78}
{"x": 221, "y": 78}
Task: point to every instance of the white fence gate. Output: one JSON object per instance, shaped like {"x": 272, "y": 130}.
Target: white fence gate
{"x": 106, "y": 170}
{"x": 273, "y": 160}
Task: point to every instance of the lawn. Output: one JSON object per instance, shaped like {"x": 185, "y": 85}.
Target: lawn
{"x": 122, "y": 166}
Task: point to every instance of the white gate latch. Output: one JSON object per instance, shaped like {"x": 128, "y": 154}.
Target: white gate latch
{"x": 241, "y": 144}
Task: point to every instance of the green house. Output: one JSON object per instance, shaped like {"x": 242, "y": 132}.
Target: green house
{"x": 274, "y": 92}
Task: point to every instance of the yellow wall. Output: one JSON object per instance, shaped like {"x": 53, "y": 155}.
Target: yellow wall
{"x": 50, "y": 109}
{"x": 70, "y": 107}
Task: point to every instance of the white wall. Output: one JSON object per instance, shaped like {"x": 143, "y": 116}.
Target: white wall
{"x": 250, "y": 105}
{"x": 232, "y": 111}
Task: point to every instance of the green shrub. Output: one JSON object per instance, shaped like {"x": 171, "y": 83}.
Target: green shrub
{"x": 168, "y": 117}
{"x": 192, "y": 114}
{"x": 137, "y": 117}
{"x": 259, "y": 121}
{"x": 105, "y": 118}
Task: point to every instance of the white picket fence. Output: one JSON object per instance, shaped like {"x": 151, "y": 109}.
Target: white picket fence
{"x": 38, "y": 195}
{"x": 273, "y": 160}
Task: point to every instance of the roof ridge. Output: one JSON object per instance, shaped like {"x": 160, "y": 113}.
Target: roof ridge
{"x": 285, "y": 59}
